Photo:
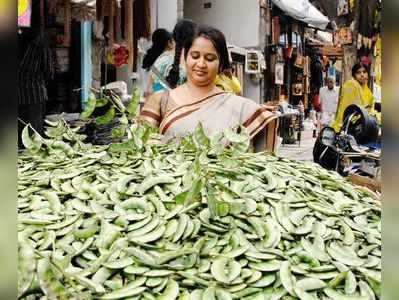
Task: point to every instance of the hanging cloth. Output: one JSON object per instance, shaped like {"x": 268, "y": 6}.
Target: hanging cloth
{"x": 366, "y": 17}
{"x": 84, "y": 10}
{"x": 35, "y": 69}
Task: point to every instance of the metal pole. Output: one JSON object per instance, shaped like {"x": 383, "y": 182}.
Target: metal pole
{"x": 85, "y": 52}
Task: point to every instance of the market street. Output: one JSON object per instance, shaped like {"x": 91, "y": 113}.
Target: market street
{"x": 302, "y": 152}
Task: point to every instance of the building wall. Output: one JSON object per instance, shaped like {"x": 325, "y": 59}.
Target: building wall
{"x": 238, "y": 20}
{"x": 153, "y": 9}
{"x": 167, "y": 13}
{"x": 252, "y": 89}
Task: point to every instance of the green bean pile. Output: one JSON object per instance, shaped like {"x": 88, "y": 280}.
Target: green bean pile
{"x": 190, "y": 220}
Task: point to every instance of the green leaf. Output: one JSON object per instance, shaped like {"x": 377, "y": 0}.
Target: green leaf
{"x": 181, "y": 197}
{"x": 89, "y": 107}
{"x": 148, "y": 132}
{"x": 118, "y": 132}
{"x": 197, "y": 166}
{"x": 107, "y": 117}
{"x": 123, "y": 120}
{"x": 132, "y": 107}
{"x": 233, "y": 137}
{"x": 118, "y": 102}
{"x": 100, "y": 102}
{"x": 121, "y": 147}
{"x": 240, "y": 142}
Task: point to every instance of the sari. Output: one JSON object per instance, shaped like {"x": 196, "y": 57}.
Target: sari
{"x": 216, "y": 113}
{"x": 353, "y": 93}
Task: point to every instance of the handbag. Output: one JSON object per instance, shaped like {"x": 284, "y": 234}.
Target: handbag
{"x": 297, "y": 89}
{"x": 299, "y": 59}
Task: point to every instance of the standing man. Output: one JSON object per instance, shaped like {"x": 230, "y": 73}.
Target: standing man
{"x": 329, "y": 95}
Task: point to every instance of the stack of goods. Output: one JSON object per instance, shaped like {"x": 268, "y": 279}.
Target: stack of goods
{"x": 189, "y": 220}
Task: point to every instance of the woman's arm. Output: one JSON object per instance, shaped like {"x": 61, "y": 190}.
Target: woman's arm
{"x": 148, "y": 92}
{"x": 151, "y": 112}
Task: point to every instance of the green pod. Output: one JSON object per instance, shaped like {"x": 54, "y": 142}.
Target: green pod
{"x": 171, "y": 291}
{"x": 225, "y": 270}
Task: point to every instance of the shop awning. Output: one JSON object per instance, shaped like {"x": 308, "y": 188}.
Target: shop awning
{"x": 304, "y": 11}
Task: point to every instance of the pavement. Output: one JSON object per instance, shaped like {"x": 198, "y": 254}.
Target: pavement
{"x": 302, "y": 151}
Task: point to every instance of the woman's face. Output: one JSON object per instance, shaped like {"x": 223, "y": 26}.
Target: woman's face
{"x": 362, "y": 76}
{"x": 202, "y": 62}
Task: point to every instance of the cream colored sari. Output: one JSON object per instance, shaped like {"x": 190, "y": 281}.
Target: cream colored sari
{"x": 216, "y": 113}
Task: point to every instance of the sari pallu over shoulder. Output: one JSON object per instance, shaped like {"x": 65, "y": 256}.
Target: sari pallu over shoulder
{"x": 216, "y": 113}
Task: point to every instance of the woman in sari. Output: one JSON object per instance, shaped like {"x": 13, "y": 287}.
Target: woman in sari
{"x": 162, "y": 43}
{"x": 168, "y": 70}
{"x": 355, "y": 91}
{"x": 177, "y": 112}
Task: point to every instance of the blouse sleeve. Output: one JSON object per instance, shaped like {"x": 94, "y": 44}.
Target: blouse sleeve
{"x": 151, "y": 112}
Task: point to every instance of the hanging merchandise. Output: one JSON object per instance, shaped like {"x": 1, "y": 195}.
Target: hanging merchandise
{"x": 119, "y": 52}
{"x": 84, "y": 10}
{"x": 24, "y": 13}
{"x": 306, "y": 66}
{"x": 367, "y": 10}
{"x": 288, "y": 50}
{"x": 67, "y": 25}
{"x": 297, "y": 89}
{"x": 299, "y": 59}
{"x": 118, "y": 55}
{"x": 351, "y": 5}
{"x": 276, "y": 30}
{"x": 377, "y": 61}
{"x": 307, "y": 85}
{"x": 62, "y": 60}
{"x": 129, "y": 34}
{"x": 279, "y": 73}
{"x": 342, "y": 36}
{"x": 343, "y": 7}
{"x": 252, "y": 63}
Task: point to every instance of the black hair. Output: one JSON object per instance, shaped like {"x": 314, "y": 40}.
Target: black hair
{"x": 160, "y": 39}
{"x": 184, "y": 29}
{"x": 217, "y": 38}
{"x": 356, "y": 67}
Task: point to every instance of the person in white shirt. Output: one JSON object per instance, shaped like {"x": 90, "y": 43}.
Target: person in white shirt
{"x": 329, "y": 96}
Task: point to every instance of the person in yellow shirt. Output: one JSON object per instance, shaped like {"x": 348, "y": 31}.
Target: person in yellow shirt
{"x": 355, "y": 91}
